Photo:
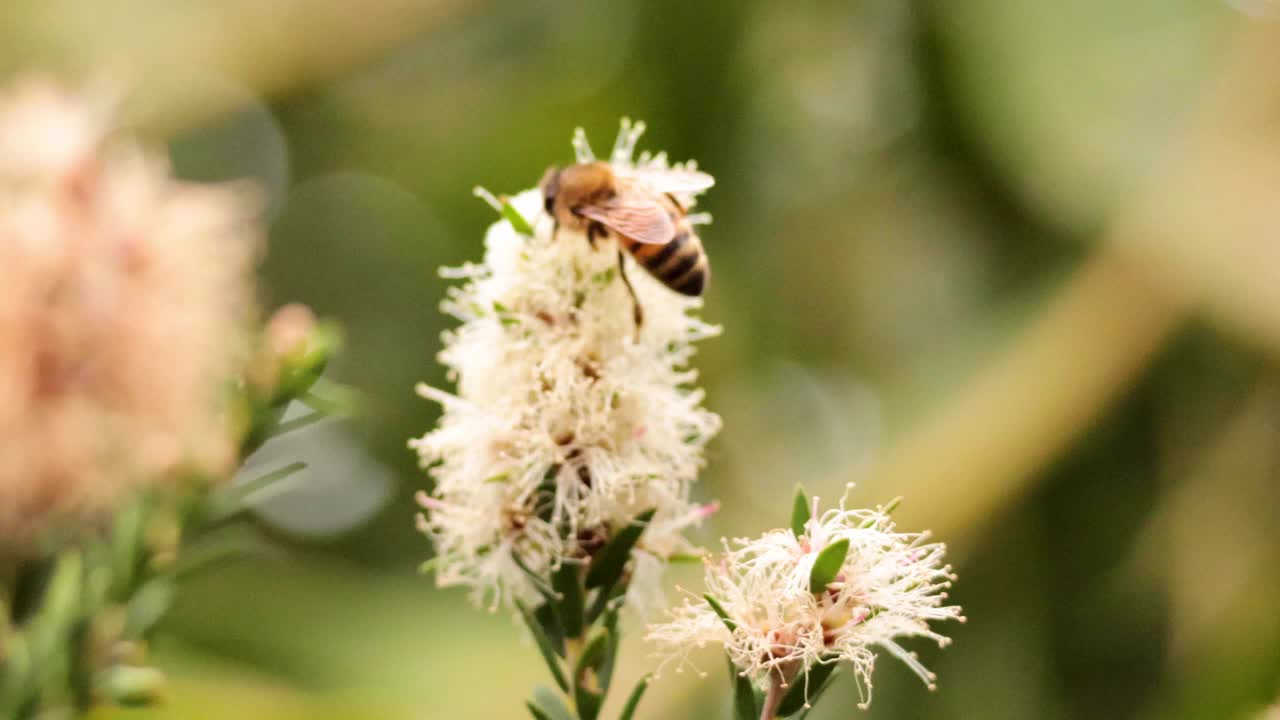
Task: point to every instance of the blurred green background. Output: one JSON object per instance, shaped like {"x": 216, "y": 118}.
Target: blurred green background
{"x": 1017, "y": 261}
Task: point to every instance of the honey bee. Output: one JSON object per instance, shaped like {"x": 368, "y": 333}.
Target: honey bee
{"x": 639, "y": 208}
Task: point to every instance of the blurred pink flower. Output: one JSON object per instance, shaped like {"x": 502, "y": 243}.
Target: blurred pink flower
{"x": 122, "y": 309}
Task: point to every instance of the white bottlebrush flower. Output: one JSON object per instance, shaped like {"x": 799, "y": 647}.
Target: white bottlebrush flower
{"x": 890, "y": 585}
{"x": 122, "y": 302}
{"x": 567, "y": 421}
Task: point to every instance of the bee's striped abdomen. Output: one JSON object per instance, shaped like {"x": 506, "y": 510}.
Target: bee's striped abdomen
{"x": 680, "y": 264}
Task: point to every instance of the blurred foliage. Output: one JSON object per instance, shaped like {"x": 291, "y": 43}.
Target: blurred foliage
{"x": 81, "y": 605}
{"x": 960, "y": 252}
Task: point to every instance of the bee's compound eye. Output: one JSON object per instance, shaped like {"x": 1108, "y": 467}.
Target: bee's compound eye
{"x": 548, "y": 201}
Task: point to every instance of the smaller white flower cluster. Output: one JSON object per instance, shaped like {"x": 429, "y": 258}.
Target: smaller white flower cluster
{"x": 890, "y": 585}
{"x": 567, "y": 422}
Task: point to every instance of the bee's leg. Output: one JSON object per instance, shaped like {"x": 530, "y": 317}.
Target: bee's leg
{"x": 594, "y": 230}
{"x": 635, "y": 301}
{"x": 555, "y": 228}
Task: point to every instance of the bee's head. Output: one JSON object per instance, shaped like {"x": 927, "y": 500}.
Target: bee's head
{"x": 550, "y": 185}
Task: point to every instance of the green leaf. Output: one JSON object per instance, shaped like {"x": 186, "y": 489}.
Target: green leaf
{"x": 544, "y": 646}
{"x": 588, "y": 694}
{"x": 588, "y": 702}
{"x": 610, "y": 625}
{"x": 333, "y": 398}
{"x": 232, "y": 500}
{"x": 126, "y": 545}
{"x": 744, "y": 695}
{"x": 538, "y": 582}
{"x": 504, "y": 208}
{"x": 799, "y": 511}
{"x": 593, "y": 654}
{"x": 567, "y": 582}
{"x": 547, "y": 705}
{"x": 827, "y": 565}
{"x": 220, "y": 545}
{"x": 887, "y": 510}
{"x": 297, "y": 423}
{"x": 607, "y": 566}
{"x": 719, "y": 609}
{"x": 517, "y": 220}
{"x": 63, "y": 599}
{"x": 819, "y": 675}
{"x": 550, "y": 620}
{"x": 606, "y": 598}
{"x": 147, "y": 607}
{"x": 15, "y": 680}
{"x": 633, "y": 700}
{"x": 685, "y": 558}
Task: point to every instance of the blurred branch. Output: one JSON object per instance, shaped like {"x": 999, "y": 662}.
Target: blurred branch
{"x": 1098, "y": 334}
{"x": 1027, "y": 407}
{"x": 188, "y": 58}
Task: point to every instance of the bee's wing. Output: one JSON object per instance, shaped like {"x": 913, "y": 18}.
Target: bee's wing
{"x": 639, "y": 218}
{"x": 673, "y": 181}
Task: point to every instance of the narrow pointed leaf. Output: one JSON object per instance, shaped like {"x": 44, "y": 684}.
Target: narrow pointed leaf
{"x": 297, "y": 423}
{"x": 685, "y": 558}
{"x": 606, "y": 598}
{"x": 744, "y": 695}
{"x": 550, "y": 620}
{"x": 719, "y": 610}
{"x": 544, "y": 646}
{"x": 62, "y": 598}
{"x": 235, "y": 499}
{"x": 887, "y": 510}
{"x": 799, "y": 511}
{"x": 539, "y": 583}
{"x": 587, "y": 692}
{"x": 606, "y": 567}
{"x": 224, "y": 544}
{"x": 333, "y": 398}
{"x": 819, "y": 675}
{"x": 593, "y": 654}
{"x": 610, "y": 625}
{"x": 126, "y": 543}
{"x": 827, "y": 565}
{"x": 588, "y": 702}
{"x": 16, "y": 678}
{"x": 517, "y": 220}
{"x": 547, "y": 705}
{"x": 567, "y": 582}
{"x": 147, "y": 606}
{"x": 633, "y": 700}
